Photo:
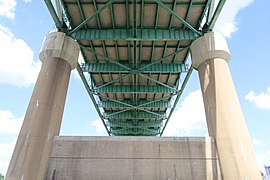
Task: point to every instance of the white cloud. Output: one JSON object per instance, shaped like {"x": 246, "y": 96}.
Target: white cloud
{"x": 8, "y": 123}
{"x": 227, "y": 22}
{"x": 6, "y": 148}
{"x": 27, "y": 1}
{"x": 99, "y": 128}
{"x": 257, "y": 142}
{"x": 17, "y": 66}
{"x": 268, "y": 153}
{"x": 9, "y": 129}
{"x": 261, "y": 100}
{"x": 189, "y": 118}
{"x": 7, "y": 8}
{"x": 5, "y": 155}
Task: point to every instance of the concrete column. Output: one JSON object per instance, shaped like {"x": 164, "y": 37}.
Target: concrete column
{"x": 224, "y": 116}
{"x": 42, "y": 121}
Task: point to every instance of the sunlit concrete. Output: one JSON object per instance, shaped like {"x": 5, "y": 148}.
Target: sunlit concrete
{"x": 134, "y": 158}
{"x": 224, "y": 116}
{"x": 42, "y": 121}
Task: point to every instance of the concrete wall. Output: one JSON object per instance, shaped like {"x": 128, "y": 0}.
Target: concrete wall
{"x": 133, "y": 158}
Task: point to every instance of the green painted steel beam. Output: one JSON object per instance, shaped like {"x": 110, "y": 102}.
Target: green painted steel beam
{"x": 129, "y": 109}
{"x": 91, "y": 17}
{"x": 133, "y": 115}
{"x": 105, "y": 57}
{"x": 182, "y": 3}
{"x": 135, "y": 131}
{"x": 113, "y": 68}
{"x": 134, "y": 124}
{"x": 216, "y": 14}
{"x": 53, "y": 13}
{"x": 91, "y": 95}
{"x": 142, "y": 68}
{"x": 127, "y": 34}
{"x": 203, "y": 16}
{"x": 113, "y": 81}
{"x": 142, "y": 104}
{"x": 157, "y": 81}
{"x": 158, "y": 46}
{"x": 178, "y": 17}
{"x": 134, "y": 89}
{"x": 210, "y": 10}
{"x": 179, "y": 93}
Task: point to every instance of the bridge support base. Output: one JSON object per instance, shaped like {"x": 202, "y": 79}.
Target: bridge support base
{"x": 224, "y": 116}
{"x": 134, "y": 158}
{"x": 44, "y": 114}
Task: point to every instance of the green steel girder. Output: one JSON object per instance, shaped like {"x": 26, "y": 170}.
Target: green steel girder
{"x": 142, "y": 104}
{"x": 178, "y": 18}
{"x": 134, "y": 115}
{"x": 91, "y": 95}
{"x": 113, "y": 81}
{"x": 210, "y": 10}
{"x": 134, "y": 89}
{"x": 135, "y": 108}
{"x": 113, "y": 68}
{"x": 180, "y": 3}
{"x": 135, "y": 32}
{"x": 91, "y": 17}
{"x": 157, "y": 81}
{"x": 105, "y": 57}
{"x": 53, "y": 13}
{"x": 153, "y": 62}
{"x": 204, "y": 14}
{"x": 134, "y": 124}
{"x": 142, "y": 34}
{"x": 135, "y": 131}
{"x": 216, "y": 14}
{"x": 179, "y": 93}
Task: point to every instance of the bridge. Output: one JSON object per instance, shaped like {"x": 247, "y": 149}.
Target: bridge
{"x": 137, "y": 57}
{"x": 136, "y": 53}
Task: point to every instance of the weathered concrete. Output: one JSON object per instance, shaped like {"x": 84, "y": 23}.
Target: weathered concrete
{"x": 44, "y": 114}
{"x": 223, "y": 112}
{"x": 87, "y": 158}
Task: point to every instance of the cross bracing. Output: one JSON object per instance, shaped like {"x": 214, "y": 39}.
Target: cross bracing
{"x": 136, "y": 53}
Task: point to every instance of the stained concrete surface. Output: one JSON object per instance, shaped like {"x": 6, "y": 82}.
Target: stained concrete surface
{"x": 133, "y": 158}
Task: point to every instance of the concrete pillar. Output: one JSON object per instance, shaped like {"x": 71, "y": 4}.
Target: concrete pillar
{"x": 42, "y": 121}
{"x": 224, "y": 116}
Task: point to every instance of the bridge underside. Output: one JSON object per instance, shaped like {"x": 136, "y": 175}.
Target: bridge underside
{"x": 136, "y": 54}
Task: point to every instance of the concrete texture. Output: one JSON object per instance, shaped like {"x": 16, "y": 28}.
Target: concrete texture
{"x": 223, "y": 112}
{"x": 42, "y": 120}
{"x": 86, "y": 158}
{"x": 58, "y": 44}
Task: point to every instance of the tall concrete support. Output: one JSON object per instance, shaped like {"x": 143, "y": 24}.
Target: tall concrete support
{"x": 224, "y": 116}
{"x": 43, "y": 118}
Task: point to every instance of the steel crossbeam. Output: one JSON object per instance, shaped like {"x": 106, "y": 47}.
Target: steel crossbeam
{"x": 142, "y": 34}
{"x": 177, "y": 17}
{"x": 142, "y": 104}
{"x": 134, "y": 124}
{"x": 113, "y": 68}
{"x": 134, "y": 115}
{"x": 91, "y": 17}
{"x": 134, "y": 89}
{"x": 135, "y": 131}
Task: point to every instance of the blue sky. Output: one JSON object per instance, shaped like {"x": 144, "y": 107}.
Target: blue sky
{"x": 25, "y": 23}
